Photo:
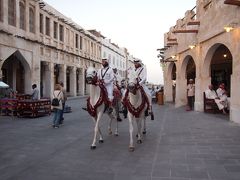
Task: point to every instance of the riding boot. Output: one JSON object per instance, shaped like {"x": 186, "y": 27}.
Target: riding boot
{"x": 110, "y": 108}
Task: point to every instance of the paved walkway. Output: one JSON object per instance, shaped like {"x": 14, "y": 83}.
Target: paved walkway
{"x": 179, "y": 145}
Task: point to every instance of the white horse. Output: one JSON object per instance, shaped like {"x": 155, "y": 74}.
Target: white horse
{"x": 96, "y": 105}
{"x": 136, "y": 104}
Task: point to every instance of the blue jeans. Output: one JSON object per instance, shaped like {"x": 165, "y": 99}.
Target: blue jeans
{"x": 61, "y": 116}
{"x": 56, "y": 117}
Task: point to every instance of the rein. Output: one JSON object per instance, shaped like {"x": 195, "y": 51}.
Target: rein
{"x": 92, "y": 109}
{"x": 136, "y": 111}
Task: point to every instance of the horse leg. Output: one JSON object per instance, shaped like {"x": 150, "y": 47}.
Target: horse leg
{"x": 131, "y": 146}
{"x": 96, "y": 130}
{"x": 139, "y": 129}
{"x": 112, "y": 117}
{"x": 110, "y": 124}
{"x": 144, "y": 131}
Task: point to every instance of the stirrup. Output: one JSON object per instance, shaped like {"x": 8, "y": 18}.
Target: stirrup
{"x": 109, "y": 110}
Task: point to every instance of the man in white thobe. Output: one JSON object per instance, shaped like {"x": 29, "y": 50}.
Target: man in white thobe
{"x": 222, "y": 94}
{"x": 141, "y": 73}
{"x": 106, "y": 75}
{"x": 211, "y": 94}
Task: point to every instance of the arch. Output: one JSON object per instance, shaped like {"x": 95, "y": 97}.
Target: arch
{"x": 16, "y": 72}
{"x": 172, "y": 71}
{"x": 188, "y": 68}
{"x": 221, "y": 67}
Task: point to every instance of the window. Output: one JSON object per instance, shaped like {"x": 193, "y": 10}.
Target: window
{"x": 61, "y": 33}
{"x": 76, "y": 41}
{"x": 41, "y": 23}
{"x": 1, "y": 10}
{"x": 55, "y": 30}
{"x": 12, "y": 12}
{"x": 22, "y": 15}
{"x": 67, "y": 36}
{"x": 81, "y": 42}
{"x": 47, "y": 30}
{"x": 31, "y": 20}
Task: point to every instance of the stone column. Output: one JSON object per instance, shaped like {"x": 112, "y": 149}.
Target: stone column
{"x": 181, "y": 91}
{"x": 168, "y": 89}
{"x": 235, "y": 88}
{"x": 81, "y": 81}
{"x": 49, "y": 80}
{"x": 62, "y": 74}
{"x": 73, "y": 91}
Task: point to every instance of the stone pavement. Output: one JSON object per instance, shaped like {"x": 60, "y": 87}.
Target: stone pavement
{"x": 179, "y": 145}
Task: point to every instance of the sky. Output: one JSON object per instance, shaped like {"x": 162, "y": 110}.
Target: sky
{"x": 138, "y": 25}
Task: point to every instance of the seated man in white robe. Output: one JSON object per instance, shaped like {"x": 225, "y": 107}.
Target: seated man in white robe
{"x": 211, "y": 94}
{"x": 222, "y": 94}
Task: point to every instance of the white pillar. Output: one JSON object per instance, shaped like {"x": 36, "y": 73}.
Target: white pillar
{"x": 49, "y": 81}
{"x": 181, "y": 91}
{"x": 62, "y": 74}
{"x": 73, "y": 91}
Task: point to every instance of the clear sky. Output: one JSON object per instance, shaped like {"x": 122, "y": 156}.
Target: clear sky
{"x": 138, "y": 25}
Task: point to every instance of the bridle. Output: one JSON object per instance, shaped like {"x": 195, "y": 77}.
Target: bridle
{"x": 133, "y": 87}
{"x": 91, "y": 79}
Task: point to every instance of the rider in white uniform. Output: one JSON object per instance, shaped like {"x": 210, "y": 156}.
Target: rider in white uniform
{"x": 141, "y": 73}
{"x": 106, "y": 75}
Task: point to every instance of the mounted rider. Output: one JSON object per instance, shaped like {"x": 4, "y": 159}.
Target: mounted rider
{"x": 106, "y": 77}
{"x": 141, "y": 73}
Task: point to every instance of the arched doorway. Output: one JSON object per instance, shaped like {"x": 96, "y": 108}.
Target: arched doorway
{"x": 190, "y": 69}
{"x": 16, "y": 72}
{"x": 173, "y": 78}
{"x": 221, "y": 67}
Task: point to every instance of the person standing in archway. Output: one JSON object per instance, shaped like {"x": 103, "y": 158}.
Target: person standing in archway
{"x": 190, "y": 95}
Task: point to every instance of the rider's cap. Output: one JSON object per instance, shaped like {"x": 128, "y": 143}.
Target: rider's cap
{"x": 137, "y": 61}
{"x": 104, "y": 59}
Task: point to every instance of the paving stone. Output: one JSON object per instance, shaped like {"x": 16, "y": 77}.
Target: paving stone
{"x": 177, "y": 146}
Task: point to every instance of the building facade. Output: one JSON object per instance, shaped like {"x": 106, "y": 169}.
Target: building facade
{"x": 40, "y": 45}
{"x": 204, "y": 46}
{"x": 116, "y": 55}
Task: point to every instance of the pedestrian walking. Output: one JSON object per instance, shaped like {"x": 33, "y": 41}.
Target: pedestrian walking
{"x": 57, "y": 105}
{"x": 63, "y": 102}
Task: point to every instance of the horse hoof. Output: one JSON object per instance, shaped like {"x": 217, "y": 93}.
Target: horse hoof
{"x": 131, "y": 149}
{"x": 110, "y": 132}
{"x": 137, "y": 135}
{"x": 101, "y": 141}
{"x": 115, "y": 134}
{"x": 119, "y": 119}
{"x": 93, "y": 147}
{"x": 139, "y": 141}
{"x": 144, "y": 132}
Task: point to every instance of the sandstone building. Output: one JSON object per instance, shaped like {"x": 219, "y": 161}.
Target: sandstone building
{"x": 204, "y": 46}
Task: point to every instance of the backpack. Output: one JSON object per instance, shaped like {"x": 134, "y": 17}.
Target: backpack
{"x": 55, "y": 101}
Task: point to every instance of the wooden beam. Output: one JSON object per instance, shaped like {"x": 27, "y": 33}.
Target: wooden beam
{"x": 186, "y": 31}
{"x": 193, "y": 23}
{"x": 172, "y": 39}
{"x": 172, "y": 44}
{"x": 232, "y": 2}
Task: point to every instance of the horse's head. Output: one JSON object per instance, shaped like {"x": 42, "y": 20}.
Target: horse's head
{"x": 91, "y": 75}
{"x": 133, "y": 84}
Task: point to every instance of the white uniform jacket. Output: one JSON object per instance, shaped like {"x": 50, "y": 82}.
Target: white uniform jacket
{"x": 106, "y": 74}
